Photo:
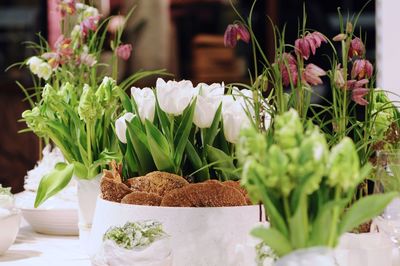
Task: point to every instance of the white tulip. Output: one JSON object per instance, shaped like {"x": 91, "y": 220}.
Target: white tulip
{"x": 208, "y": 100}
{"x": 174, "y": 96}
{"x": 120, "y": 126}
{"x": 44, "y": 71}
{"x": 146, "y": 103}
{"x": 235, "y": 119}
{"x": 34, "y": 63}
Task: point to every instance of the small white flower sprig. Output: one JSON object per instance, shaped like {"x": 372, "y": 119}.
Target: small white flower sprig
{"x": 187, "y": 130}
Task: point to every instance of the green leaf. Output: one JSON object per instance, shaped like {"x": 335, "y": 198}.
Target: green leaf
{"x": 54, "y": 182}
{"x": 274, "y": 239}
{"x": 159, "y": 148}
{"x": 212, "y": 132}
{"x": 182, "y": 134}
{"x": 222, "y": 161}
{"x": 197, "y": 163}
{"x": 80, "y": 170}
{"x": 145, "y": 161}
{"x": 319, "y": 235}
{"x": 364, "y": 210}
{"x": 271, "y": 208}
{"x": 164, "y": 121}
{"x": 126, "y": 103}
{"x": 298, "y": 224}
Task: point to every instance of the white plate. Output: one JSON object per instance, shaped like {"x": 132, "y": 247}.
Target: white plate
{"x": 55, "y": 217}
{"x": 53, "y": 221}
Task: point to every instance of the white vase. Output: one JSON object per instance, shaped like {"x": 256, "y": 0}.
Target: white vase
{"x": 315, "y": 256}
{"x": 88, "y": 191}
{"x": 367, "y": 249}
{"x": 199, "y": 236}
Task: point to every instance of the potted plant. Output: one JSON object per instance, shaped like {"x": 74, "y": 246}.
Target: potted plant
{"x": 179, "y": 144}
{"x": 306, "y": 188}
{"x": 74, "y": 106}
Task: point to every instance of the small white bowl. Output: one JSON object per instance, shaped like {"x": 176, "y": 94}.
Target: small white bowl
{"x": 61, "y": 222}
{"x": 9, "y": 227}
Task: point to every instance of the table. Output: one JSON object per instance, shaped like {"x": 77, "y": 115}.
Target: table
{"x": 33, "y": 249}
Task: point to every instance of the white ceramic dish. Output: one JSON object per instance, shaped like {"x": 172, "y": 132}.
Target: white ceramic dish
{"x": 53, "y": 221}
{"x": 56, "y": 216}
{"x": 9, "y": 227}
{"x": 199, "y": 236}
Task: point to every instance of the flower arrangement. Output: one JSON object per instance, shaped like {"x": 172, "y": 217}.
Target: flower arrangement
{"x": 182, "y": 129}
{"x": 357, "y": 109}
{"x": 74, "y": 105}
{"x": 305, "y": 186}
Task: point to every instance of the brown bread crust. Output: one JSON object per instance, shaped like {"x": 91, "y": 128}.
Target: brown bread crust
{"x": 236, "y": 184}
{"x": 208, "y": 194}
{"x": 157, "y": 182}
{"x": 142, "y": 198}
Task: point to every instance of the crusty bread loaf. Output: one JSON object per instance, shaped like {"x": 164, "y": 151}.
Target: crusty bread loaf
{"x": 157, "y": 182}
{"x": 206, "y": 194}
{"x": 112, "y": 190}
{"x": 142, "y": 198}
{"x": 236, "y": 184}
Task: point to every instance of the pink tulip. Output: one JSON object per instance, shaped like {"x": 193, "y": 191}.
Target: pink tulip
{"x": 66, "y": 7}
{"x": 235, "y": 32}
{"x": 308, "y": 44}
{"x": 288, "y": 69}
{"x": 362, "y": 68}
{"x": 124, "y": 51}
{"x": 312, "y": 74}
{"x": 357, "y": 48}
{"x": 89, "y": 24}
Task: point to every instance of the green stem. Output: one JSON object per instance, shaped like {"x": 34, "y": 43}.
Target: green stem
{"x": 286, "y": 207}
{"x": 335, "y": 218}
{"x": 40, "y": 148}
{"x": 114, "y": 62}
{"x": 88, "y": 141}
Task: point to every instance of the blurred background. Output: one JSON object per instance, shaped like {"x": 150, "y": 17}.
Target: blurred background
{"x": 183, "y": 36}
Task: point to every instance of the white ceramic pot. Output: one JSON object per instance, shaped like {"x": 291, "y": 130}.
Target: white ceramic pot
{"x": 199, "y": 236}
{"x": 367, "y": 249}
{"x": 9, "y": 227}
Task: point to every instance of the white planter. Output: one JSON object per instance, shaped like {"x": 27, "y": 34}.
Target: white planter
{"x": 316, "y": 256}
{"x": 199, "y": 236}
{"x": 367, "y": 249}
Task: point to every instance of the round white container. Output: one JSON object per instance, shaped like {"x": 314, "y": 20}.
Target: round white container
{"x": 199, "y": 236}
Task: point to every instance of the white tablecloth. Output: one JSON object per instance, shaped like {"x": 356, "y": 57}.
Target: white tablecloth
{"x": 33, "y": 249}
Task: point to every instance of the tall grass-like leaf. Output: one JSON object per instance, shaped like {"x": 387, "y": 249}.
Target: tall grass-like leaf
{"x": 365, "y": 209}
{"x": 54, "y": 182}
{"x": 159, "y": 148}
